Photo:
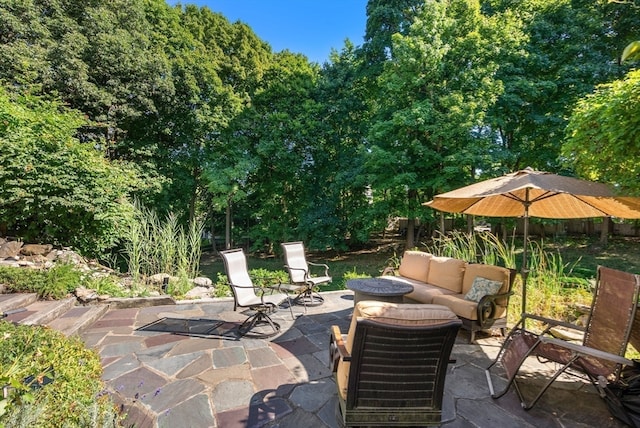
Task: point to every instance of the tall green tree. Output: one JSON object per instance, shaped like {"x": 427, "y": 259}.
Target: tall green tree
{"x": 53, "y": 188}
{"x": 603, "y": 134}
{"x": 268, "y": 152}
{"x": 571, "y": 46}
{"x": 437, "y": 88}
{"x": 344, "y": 123}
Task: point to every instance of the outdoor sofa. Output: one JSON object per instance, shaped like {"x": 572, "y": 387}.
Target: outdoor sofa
{"x": 477, "y": 293}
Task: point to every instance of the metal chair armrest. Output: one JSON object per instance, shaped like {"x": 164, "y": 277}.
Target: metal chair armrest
{"x": 326, "y": 267}
{"x": 553, "y": 323}
{"x": 306, "y": 272}
{"x": 258, "y": 290}
{"x": 584, "y": 350}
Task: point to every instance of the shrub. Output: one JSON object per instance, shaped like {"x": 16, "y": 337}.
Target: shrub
{"x": 153, "y": 245}
{"x": 259, "y": 277}
{"x": 54, "y": 283}
{"x": 56, "y": 380}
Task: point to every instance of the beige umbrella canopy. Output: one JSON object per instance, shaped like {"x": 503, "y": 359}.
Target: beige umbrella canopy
{"x": 529, "y": 193}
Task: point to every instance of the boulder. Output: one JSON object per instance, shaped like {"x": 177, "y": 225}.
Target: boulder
{"x": 197, "y": 293}
{"x": 36, "y": 249}
{"x": 202, "y": 281}
{"x": 10, "y": 249}
{"x": 158, "y": 278}
{"x": 86, "y": 295}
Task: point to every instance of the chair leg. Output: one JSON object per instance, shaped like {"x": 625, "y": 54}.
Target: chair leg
{"x": 310, "y": 297}
{"x": 527, "y": 406}
{"x": 259, "y": 318}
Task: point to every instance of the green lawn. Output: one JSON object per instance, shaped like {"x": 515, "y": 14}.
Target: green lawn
{"x": 581, "y": 254}
{"x": 370, "y": 263}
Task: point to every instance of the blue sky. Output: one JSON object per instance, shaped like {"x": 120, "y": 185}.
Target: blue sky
{"x": 310, "y": 27}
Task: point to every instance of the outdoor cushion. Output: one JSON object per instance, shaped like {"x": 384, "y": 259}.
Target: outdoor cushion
{"x": 461, "y": 307}
{"x": 415, "y": 265}
{"x": 482, "y": 287}
{"x": 424, "y": 293}
{"x": 494, "y": 273}
{"x": 389, "y": 313}
{"x": 446, "y": 272}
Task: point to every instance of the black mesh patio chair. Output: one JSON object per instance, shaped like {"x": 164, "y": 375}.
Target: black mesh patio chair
{"x": 390, "y": 368}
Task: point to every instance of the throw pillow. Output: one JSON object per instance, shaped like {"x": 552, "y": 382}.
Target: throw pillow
{"x": 481, "y": 287}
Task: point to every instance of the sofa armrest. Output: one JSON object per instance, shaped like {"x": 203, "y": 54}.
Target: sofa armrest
{"x": 487, "y": 307}
{"x": 389, "y": 271}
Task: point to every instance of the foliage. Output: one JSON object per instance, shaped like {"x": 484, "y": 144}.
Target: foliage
{"x": 567, "y": 50}
{"x": 354, "y": 275}
{"x": 424, "y": 138}
{"x": 603, "y": 133}
{"x": 156, "y": 246}
{"x": 32, "y": 355}
{"x": 261, "y": 278}
{"x": 52, "y": 187}
{"x": 106, "y": 285}
{"x": 484, "y": 248}
{"x": 196, "y": 116}
{"x": 551, "y": 289}
{"x": 631, "y": 52}
{"x": 54, "y": 283}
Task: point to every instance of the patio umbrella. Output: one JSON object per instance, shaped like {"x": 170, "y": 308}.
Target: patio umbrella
{"x": 529, "y": 193}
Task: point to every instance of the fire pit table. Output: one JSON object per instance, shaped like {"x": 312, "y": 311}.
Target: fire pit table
{"x": 385, "y": 290}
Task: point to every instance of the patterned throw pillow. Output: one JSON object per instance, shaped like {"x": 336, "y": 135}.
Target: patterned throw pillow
{"x": 481, "y": 287}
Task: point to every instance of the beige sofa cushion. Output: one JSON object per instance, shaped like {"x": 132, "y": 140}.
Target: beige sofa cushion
{"x": 494, "y": 273}
{"x": 424, "y": 293}
{"x": 446, "y": 272}
{"x": 389, "y": 313}
{"x": 415, "y": 265}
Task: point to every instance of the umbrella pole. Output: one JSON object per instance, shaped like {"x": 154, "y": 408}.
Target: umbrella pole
{"x": 524, "y": 271}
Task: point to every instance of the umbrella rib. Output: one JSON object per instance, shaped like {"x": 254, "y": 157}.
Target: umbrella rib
{"x": 545, "y": 195}
{"x": 604, "y": 213}
{"x": 549, "y": 194}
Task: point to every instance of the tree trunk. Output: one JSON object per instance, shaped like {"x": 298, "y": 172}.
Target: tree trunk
{"x": 213, "y": 236}
{"x": 604, "y": 233}
{"x": 227, "y": 229}
{"x": 411, "y": 225}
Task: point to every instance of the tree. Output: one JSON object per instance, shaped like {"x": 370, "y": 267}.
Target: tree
{"x": 53, "y": 188}
{"x": 285, "y": 150}
{"x": 570, "y": 47}
{"x": 603, "y": 134}
{"x": 437, "y": 88}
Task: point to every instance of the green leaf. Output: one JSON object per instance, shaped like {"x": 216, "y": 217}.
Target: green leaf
{"x": 631, "y": 52}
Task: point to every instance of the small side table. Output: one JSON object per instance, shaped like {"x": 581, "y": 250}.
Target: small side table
{"x": 385, "y": 290}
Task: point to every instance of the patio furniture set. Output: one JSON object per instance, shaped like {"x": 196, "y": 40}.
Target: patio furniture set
{"x": 390, "y": 367}
{"x": 263, "y": 301}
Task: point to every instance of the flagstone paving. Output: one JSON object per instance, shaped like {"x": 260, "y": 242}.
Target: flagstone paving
{"x": 170, "y": 380}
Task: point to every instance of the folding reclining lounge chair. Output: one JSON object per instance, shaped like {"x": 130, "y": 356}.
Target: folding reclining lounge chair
{"x": 300, "y": 273}
{"x": 390, "y": 368}
{"x": 599, "y": 358}
{"x": 244, "y": 295}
